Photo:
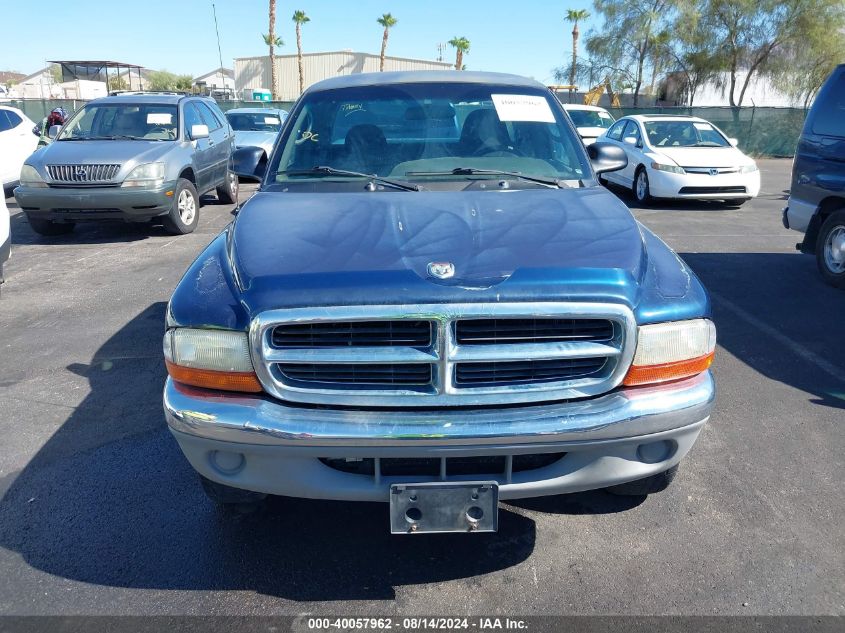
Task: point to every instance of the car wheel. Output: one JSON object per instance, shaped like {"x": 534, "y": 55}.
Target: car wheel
{"x": 232, "y": 498}
{"x": 645, "y": 486}
{"x": 830, "y": 249}
{"x": 48, "y": 227}
{"x": 185, "y": 212}
{"x": 641, "y": 188}
{"x": 228, "y": 192}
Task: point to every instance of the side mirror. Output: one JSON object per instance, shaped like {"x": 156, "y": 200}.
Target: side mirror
{"x": 53, "y": 132}
{"x": 37, "y": 130}
{"x": 606, "y": 157}
{"x": 629, "y": 140}
{"x": 249, "y": 163}
{"x": 198, "y": 132}
{"x": 733, "y": 141}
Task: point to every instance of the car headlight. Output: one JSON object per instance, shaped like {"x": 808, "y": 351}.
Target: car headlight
{"x": 674, "y": 169}
{"x": 215, "y": 359}
{"x": 30, "y": 177}
{"x": 748, "y": 169}
{"x": 146, "y": 175}
{"x": 673, "y": 350}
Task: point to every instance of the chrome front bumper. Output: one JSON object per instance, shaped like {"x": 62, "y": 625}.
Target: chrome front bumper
{"x": 281, "y": 445}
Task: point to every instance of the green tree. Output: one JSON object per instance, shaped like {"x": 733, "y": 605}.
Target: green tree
{"x": 161, "y": 80}
{"x": 272, "y": 41}
{"x": 461, "y": 46}
{"x": 299, "y": 19}
{"x": 117, "y": 83}
{"x": 184, "y": 82}
{"x": 625, "y": 43}
{"x": 388, "y": 22}
{"x": 575, "y": 16}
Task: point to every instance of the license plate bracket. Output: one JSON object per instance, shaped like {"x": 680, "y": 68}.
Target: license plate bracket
{"x": 440, "y": 507}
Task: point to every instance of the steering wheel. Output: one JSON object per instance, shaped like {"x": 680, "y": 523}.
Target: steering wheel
{"x": 502, "y": 150}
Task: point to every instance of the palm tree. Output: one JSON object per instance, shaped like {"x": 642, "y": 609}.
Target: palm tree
{"x": 461, "y": 46}
{"x": 272, "y": 41}
{"x": 575, "y": 16}
{"x": 300, "y": 18}
{"x": 386, "y": 21}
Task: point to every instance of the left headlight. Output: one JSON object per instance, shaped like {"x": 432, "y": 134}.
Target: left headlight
{"x": 214, "y": 359}
{"x": 146, "y": 175}
{"x": 672, "y": 350}
{"x": 674, "y": 169}
{"x": 30, "y": 177}
{"x": 748, "y": 169}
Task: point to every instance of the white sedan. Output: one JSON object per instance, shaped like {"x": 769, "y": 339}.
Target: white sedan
{"x": 590, "y": 121}
{"x": 17, "y": 142}
{"x": 671, "y": 156}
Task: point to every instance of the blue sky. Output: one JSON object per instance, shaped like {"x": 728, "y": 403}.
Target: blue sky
{"x": 178, "y": 35}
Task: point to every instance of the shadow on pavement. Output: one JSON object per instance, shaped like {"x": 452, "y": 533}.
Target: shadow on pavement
{"x": 750, "y": 304}
{"x": 110, "y": 500}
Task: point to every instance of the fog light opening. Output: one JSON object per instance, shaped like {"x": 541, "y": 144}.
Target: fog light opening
{"x": 412, "y": 515}
{"x": 227, "y": 462}
{"x": 654, "y": 452}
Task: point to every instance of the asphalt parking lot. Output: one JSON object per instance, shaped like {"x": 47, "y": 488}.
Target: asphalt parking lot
{"x": 101, "y": 514}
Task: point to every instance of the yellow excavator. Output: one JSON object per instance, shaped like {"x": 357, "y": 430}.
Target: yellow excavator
{"x": 594, "y": 94}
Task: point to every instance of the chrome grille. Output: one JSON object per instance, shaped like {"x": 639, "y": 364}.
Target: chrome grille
{"x": 83, "y": 173}
{"x": 443, "y": 354}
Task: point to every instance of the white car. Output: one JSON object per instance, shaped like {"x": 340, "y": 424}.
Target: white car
{"x": 671, "y": 156}
{"x": 5, "y": 236}
{"x": 256, "y": 127}
{"x": 17, "y": 142}
{"x": 590, "y": 121}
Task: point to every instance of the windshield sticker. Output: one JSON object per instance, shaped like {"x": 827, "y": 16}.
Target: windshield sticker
{"x": 604, "y": 115}
{"x": 159, "y": 118}
{"x": 308, "y": 135}
{"x": 705, "y": 127}
{"x": 523, "y": 108}
{"x": 271, "y": 119}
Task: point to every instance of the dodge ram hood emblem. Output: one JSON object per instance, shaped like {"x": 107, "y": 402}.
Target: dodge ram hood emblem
{"x": 441, "y": 270}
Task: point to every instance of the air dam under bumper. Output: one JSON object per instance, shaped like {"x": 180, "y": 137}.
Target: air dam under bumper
{"x": 260, "y": 444}
{"x": 95, "y": 203}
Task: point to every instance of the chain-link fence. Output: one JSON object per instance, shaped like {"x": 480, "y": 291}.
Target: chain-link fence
{"x": 760, "y": 131}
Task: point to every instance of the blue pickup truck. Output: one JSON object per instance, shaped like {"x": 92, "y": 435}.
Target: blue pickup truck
{"x": 431, "y": 302}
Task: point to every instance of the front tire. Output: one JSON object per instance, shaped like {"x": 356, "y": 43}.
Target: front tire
{"x": 227, "y": 193}
{"x": 48, "y": 228}
{"x": 645, "y": 486}
{"x": 830, "y": 249}
{"x": 232, "y": 498}
{"x": 184, "y": 214}
{"x": 642, "y": 191}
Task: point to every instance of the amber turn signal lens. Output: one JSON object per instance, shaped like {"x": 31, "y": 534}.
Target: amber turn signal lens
{"x": 210, "y": 379}
{"x": 650, "y": 374}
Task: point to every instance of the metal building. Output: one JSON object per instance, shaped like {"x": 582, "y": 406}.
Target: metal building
{"x": 254, "y": 72}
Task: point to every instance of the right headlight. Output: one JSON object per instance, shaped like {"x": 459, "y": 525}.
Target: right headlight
{"x": 673, "y": 350}
{"x": 30, "y": 177}
{"x": 146, "y": 175}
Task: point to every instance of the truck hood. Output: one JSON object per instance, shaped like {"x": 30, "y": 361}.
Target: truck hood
{"x": 705, "y": 156}
{"x": 246, "y": 138}
{"x": 307, "y": 249}
{"x": 70, "y": 152}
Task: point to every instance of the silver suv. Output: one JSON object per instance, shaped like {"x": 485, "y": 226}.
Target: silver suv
{"x": 133, "y": 157}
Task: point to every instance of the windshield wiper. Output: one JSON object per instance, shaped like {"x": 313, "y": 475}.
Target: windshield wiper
{"x": 323, "y": 170}
{"x": 103, "y": 138}
{"x": 554, "y": 183}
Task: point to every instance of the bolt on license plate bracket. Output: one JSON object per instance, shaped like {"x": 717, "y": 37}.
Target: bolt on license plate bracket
{"x": 439, "y": 507}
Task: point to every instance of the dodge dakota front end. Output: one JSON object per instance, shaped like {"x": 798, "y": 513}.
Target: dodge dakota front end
{"x": 431, "y": 302}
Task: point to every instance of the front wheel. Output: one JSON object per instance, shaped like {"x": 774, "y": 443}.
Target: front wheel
{"x": 227, "y": 193}
{"x": 184, "y": 214}
{"x": 830, "y": 249}
{"x": 641, "y": 187}
{"x": 49, "y": 228}
{"x": 645, "y": 486}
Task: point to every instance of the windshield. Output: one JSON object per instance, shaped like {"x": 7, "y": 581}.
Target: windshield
{"x": 255, "y": 121}
{"x": 151, "y": 122}
{"x": 684, "y": 134}
{"x": 424, "y": 132}
{"x": 590, "y": 118}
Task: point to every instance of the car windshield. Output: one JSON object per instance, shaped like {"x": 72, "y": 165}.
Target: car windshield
{"x": 150, "y": 122}
{"x": 255, "y": 121}
{"x": 684, "y": 134}
{"x": 590, "y": 118}
{"x": 430, "y": 131}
